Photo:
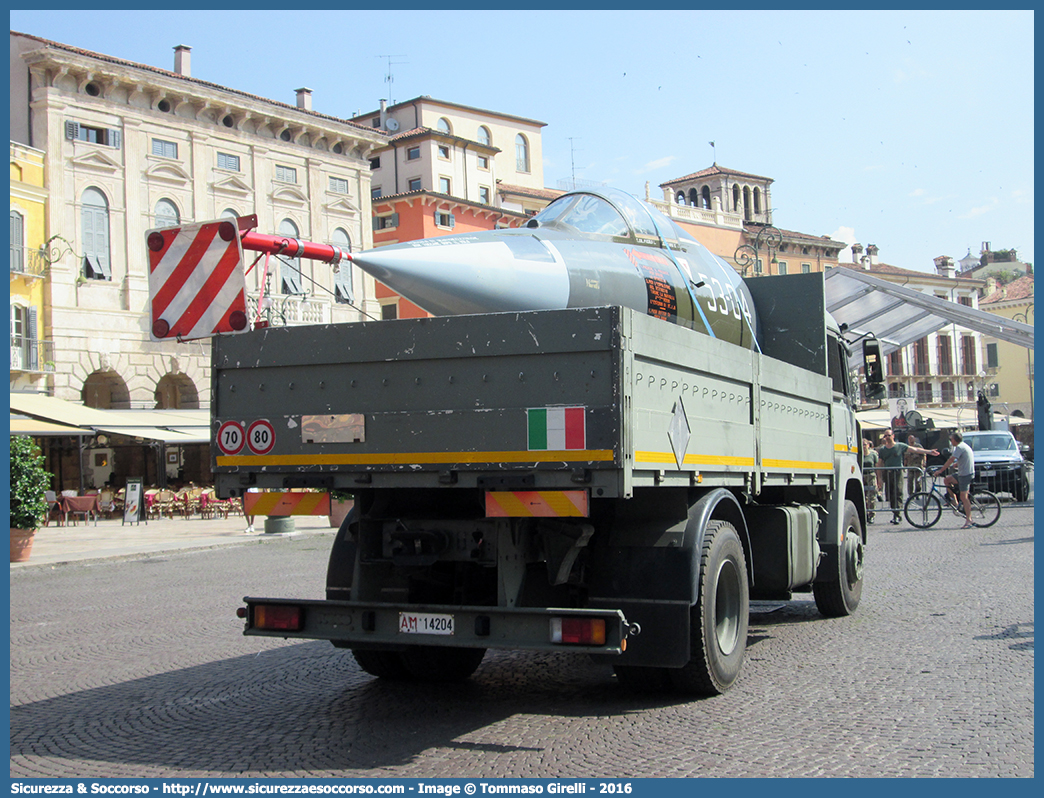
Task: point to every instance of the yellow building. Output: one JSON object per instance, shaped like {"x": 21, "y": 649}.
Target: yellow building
{"x": 1010, "y": 367}
{"x": 32, "y": 357}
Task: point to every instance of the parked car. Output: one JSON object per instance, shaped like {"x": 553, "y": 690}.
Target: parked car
{"x": 998, "y": 463}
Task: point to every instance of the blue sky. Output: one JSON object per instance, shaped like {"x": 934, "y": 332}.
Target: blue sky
{"x": 912, "y": 130}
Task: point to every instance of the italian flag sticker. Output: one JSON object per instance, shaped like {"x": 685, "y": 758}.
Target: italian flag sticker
{"x": 557, "y": 428}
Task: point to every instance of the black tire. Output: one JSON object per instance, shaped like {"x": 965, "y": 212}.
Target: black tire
{"x": 718, "y": 621}
{"x": 985, "y": 509}
{"x": 1021, "y": 491}
{"x": 840, "y": 596}
{"x": 437, "y": 664}
{"x": 922, "y": 510}
{"x": 382, "y": 664}
{"x": 643, "y": 679}
{"x": 340, "y": 568}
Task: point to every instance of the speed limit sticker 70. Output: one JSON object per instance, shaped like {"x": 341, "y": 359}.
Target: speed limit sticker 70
{"x": 261, "y": 436}
{"x": 230, "y": 437}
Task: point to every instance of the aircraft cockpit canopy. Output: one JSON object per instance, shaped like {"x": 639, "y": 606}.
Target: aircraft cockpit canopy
{"x": 615, "y": 213}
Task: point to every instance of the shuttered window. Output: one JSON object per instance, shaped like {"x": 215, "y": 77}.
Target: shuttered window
{"x": 444, "y": 219}
{"x": 343, "y": 278}
{"x": 76, "y": 131}
{"x": 94, "y": 221}
{"x": 286, "y": 174}
{"x": 226, "y": 161}
{"x": 165, "y": 149}
{"x": 290, "y": 268}
{"x": 17, "y": 243}
{"x": 338, "y": 185}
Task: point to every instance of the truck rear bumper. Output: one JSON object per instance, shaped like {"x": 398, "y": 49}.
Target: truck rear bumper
{"x": 393, "y": 626}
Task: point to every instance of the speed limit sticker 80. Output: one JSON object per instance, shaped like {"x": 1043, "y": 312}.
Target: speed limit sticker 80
{"x": 260, "y": 436}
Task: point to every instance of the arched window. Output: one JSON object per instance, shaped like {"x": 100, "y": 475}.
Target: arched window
{"x": 444, "y": 125}
{"x": 167, "y": 214}
{"x": 484, "y": 136}
{"x": 17, "y": 243}
{"x": 706, "y": 197}
{"x": 694, "y": 198}
{"x": 680, "y": 199}
{"x": 94, "y": 219}
{"x": 521, "y": 153}
{"x": 735, "y": 197}
{"x": 757, "y": 200}
{"x": 746, "y": 203}
{"x": 343, "y": 278}
{"x": 290, "y": 268}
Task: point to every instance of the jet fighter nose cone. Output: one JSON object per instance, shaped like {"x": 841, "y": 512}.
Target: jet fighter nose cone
{"x": 471, "y": 273}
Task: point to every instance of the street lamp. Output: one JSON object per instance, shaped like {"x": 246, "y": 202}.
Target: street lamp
{"x": 1024, "y": 317}
{"x": 746, "y": 254}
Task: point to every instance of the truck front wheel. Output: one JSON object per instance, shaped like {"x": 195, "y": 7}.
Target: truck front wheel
{"x": 840, "y": 596}
{"x": 718, "y": 621}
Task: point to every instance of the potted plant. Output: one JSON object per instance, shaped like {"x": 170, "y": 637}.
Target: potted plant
{"x": 341, "y": 501}
{"x": 29, "y": 483}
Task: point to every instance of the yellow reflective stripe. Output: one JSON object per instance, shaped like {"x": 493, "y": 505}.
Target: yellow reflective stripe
{"x": 797, "y": 465}
{"x": 540, "y": 504}
{"x": 744, "y": 462}
{"x": 416, "y": 458}
{"x": 693, "y": 459}
{"x": 843, "y": 447}
{"x": 282, "y": 503}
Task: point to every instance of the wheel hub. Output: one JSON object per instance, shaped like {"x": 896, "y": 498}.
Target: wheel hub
{"x": 853, "y": 555}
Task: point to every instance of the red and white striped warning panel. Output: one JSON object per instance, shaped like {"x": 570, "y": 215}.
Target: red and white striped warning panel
{"x": 286, "y": 503}
{"x": 537, "y": 504}
{"x": 196, "y": 283}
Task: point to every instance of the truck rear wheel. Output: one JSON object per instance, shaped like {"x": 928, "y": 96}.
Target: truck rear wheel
{"x": 718, "y": 621}
{"x": 382, "y": 664}
{"x": 840, "y": 596}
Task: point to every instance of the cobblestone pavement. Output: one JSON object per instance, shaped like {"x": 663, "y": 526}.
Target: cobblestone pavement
{"x": 137, "y": 668}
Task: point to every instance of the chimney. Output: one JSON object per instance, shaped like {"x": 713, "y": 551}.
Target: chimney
{"x": 183, "y": 60}
{"x": 304, "y": 99}
{"x": 857, "y": 251}
{"x": 945, "y": 267}
{"x": 871, "y": 254}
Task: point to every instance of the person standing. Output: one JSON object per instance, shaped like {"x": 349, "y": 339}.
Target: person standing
{"x": 914, "y": 463}
{"x": 964, "y": 457}
{"x": 890, "y": 468}
{"x": 870, "y": 459}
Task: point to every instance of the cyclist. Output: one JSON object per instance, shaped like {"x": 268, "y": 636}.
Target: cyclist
{"x": 964, "y": 457}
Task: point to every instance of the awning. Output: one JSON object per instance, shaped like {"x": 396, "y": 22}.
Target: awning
{"x": 943, "y": 417}
{"x": 176, "y": 426}
{"x": 898, "y": 315}
{"x": 20, "y": 425}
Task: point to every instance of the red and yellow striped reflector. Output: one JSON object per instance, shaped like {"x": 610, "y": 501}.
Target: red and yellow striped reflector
{"x": 537, "y": 504}
{"x": 282, "y": 503}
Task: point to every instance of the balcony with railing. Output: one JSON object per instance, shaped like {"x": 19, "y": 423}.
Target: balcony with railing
{"x": 32, "y": 355}
{"x": 28, "y": 263}
{"x": 922, "y": 368}
{"x": 289, "y": 311}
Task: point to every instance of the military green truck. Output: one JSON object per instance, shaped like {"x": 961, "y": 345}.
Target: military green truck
{"x": 592, "y": 480}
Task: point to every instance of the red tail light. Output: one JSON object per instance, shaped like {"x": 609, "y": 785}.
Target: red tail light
{"x": 278, "y": 618}
{"x": 578, "y": 631}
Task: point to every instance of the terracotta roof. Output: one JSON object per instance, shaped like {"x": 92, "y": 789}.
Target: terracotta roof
{"x": 887, "y": 270}
{"x": 751, "y": 228}
{"x": 167, "y": 73}
{"x": 710, "y": 171}
{"x": 524, "y": 191}
{"x": 1013, "y": 291}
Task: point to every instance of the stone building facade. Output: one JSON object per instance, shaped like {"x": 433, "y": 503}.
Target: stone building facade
{"x": 130, "y": 147}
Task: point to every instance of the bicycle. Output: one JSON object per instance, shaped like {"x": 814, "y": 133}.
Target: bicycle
{"x": 924, "y": 508}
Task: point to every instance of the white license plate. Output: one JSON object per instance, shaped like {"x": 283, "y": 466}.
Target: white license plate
{"x": 425, "y": 623}
{"x": 986, "y": 473}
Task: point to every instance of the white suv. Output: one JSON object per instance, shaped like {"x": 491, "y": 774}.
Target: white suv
{"x": 998, "y": 463}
